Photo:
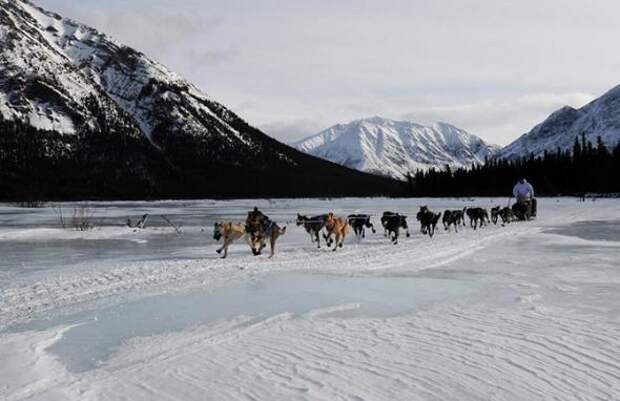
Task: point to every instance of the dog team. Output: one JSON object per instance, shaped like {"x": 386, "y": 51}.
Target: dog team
{"x": 260, "y": 229}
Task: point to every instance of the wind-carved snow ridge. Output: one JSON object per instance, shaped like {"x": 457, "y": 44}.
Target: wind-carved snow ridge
{"x": 601, "y": 117}
{"x": 396, "y": 148}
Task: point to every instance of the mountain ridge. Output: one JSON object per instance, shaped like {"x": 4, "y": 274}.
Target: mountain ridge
{"x": 397, "y": 148}
{"x": 68, "y": 91}
{"x": 600, "y": 117}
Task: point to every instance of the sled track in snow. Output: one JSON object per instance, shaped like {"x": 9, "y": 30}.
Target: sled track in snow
{"x": 374, "y": 254}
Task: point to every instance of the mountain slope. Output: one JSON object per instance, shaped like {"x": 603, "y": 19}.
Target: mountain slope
{"x": 113, "y": 123}
{"x": 601, "y": 117}
{"x": 396, "y": 148}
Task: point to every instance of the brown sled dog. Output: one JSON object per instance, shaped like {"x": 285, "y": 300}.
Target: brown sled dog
{"x": 230, "y": 232}
{"x": 260, "y": 228}
{"x": 336, "y": 226}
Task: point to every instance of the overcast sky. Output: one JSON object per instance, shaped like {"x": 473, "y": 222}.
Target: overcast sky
{"x": 493, "y": 67}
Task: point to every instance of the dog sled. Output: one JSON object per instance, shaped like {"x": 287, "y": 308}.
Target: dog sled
{"x": 525, "y": 209}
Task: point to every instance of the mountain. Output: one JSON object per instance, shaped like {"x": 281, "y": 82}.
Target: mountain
{"x": 83, "y": 116}
{"x": 600, "y": 117}
{"x": 395, "y": 148}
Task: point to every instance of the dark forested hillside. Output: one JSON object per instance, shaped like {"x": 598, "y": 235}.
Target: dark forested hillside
{"x": 112, "y": 163}
{"x": 587, "y": 167}
{"x": 83, "y": 116}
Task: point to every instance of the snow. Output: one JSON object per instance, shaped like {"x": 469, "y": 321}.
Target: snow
{"x": 396, "y": 148}
{"x": 540, "y": 317}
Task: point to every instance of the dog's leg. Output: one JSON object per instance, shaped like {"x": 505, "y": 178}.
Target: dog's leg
{"x": 256, "y": 246}
{"x": 253, "y": 247}
{"x": 219, "y": 250}
{"x": 248, "y": 238}
{"x": 327, "y": 237}
{"x": 272, "y": 245}
{"x": 226, "y": 243}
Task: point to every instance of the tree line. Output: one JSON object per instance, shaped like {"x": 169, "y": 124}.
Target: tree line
{"x": 113, "y": 160}
{"x": 586, "y": 168}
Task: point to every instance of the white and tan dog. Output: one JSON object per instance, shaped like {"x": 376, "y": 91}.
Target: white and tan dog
{"x": 231, "y": 232}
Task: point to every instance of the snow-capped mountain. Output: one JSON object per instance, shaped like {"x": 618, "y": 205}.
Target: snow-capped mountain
{"x": 600, "y": 117}
{"x": 395, "y": 148}
{"x": 75, "y": 97}
{"x": 52, "y": 65}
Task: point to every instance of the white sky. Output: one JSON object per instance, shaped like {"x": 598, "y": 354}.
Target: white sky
{"x": 493, "y": 67}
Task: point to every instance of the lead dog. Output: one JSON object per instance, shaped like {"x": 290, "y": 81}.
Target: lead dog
{"x": 336, "y": 226}
{"x": 230, "y": 232}
{"x": 260, "y": 228}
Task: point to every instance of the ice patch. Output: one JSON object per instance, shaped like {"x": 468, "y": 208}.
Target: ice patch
{"x": 100, "y": 332}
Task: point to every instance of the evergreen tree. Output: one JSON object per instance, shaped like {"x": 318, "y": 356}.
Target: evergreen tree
{"x": 585, "y": 169}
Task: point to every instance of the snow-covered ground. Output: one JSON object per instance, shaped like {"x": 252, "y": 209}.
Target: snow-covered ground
{"x": 524, "y": 312}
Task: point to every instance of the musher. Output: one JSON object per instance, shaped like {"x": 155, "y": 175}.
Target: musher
{"x": 525, "y": 208}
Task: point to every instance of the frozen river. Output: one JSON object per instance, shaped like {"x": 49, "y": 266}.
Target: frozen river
{"x": 523, "y": 312}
